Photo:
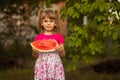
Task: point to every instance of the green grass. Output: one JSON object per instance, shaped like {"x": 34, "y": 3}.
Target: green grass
{"x": 28, "y": 73}
{"x": 16, "y": 74}
{"x": 75, "y": 75}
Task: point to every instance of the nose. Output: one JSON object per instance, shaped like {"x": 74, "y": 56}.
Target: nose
{"x": 48, "y": 22}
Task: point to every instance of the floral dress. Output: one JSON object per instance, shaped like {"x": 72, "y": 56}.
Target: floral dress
{"x": 49, "y": 66}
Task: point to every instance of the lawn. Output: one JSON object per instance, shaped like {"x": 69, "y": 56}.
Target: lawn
{"x": 16, "y": 74}
{"x": 77, "y": 74}
{"x": 27, "y": 74}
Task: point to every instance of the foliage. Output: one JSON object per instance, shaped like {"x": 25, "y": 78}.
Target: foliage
{"x": 100, "y": 37}
{"x": 87, "y": 41}
{"x": 16, "y": 31}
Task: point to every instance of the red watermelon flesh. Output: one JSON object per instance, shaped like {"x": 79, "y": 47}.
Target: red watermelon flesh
{"x": 45, "y": 45}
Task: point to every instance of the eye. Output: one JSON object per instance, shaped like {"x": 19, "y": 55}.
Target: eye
{"x": 45, "y": 20}
{"x": 52, "y": 20}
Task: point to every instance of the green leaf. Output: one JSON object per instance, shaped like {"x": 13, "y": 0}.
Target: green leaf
{"x": 114, "y": 35}
{"x": 88, "y": 59}
{"x": 99, "y": 18}
{"x": 92, "y": 38}
{"x": 75, "y": 15}
{"x": 75, "y": 58}
{"x": 77, "y": 5}
{"x": 70, "y": 11}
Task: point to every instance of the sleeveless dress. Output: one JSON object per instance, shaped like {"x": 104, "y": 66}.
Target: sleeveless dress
{"x": 48, "y": 65}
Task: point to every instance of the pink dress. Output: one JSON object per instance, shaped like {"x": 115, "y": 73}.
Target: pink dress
{"x": 48, "y": 65}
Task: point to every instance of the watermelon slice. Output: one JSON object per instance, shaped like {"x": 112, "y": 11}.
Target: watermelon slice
{"x": 45, "y": 45}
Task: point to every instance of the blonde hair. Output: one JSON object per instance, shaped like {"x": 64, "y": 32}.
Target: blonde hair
{"x": 50, "y": 13}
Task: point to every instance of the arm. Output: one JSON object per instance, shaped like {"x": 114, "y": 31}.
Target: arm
{"x": 61, "y": 50}
{"x": 35, "y": 53}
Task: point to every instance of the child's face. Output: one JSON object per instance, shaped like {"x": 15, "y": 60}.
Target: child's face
{"x": 48, "y": 24}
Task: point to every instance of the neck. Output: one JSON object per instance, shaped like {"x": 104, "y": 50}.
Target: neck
{"x": 48, "y": 32}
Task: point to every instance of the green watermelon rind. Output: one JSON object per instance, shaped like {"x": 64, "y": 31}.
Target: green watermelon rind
{"x": 51, "y": 50}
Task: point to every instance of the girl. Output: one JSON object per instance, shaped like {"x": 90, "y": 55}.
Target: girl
{"x": 48, "y": 65}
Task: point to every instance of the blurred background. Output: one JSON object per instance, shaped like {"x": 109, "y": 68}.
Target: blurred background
{"x": 92, "y": 38}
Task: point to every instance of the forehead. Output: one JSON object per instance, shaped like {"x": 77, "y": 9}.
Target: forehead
{"x": 48, "y": 18}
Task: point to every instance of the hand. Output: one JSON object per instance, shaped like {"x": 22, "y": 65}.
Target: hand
{"x": 35, "y": 53}
{"x": 59, "y": 48}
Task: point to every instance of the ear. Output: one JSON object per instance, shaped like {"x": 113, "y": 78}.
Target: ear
{"x": 41, "y": 24}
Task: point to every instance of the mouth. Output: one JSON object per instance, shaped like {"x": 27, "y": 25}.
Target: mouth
{"x": 48, "y": 27}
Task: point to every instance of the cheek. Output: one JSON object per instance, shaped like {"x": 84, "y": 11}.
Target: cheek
{"x": 53, "y": 24}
